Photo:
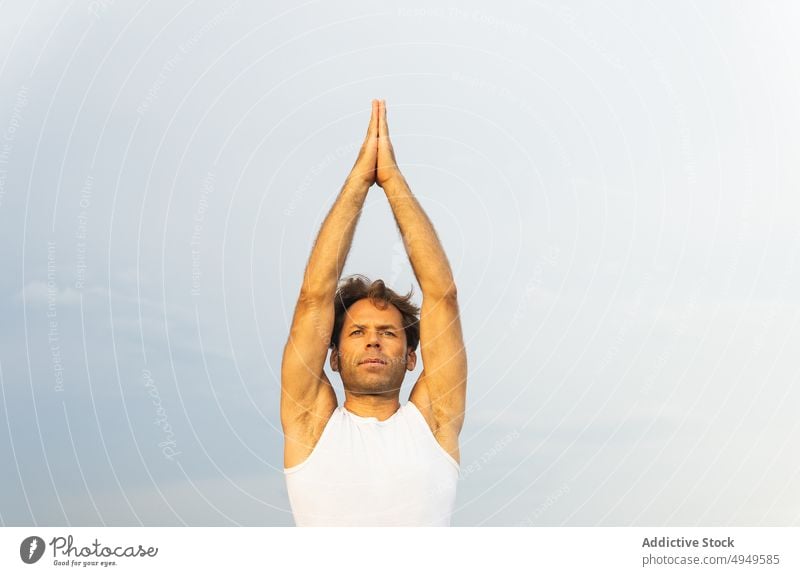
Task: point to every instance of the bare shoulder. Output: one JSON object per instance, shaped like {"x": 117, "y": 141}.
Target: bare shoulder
{"x": 302, "y": 432}
{"x": 445, "y": 433}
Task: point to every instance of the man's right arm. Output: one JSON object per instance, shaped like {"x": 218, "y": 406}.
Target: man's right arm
{"x": 303, "y": 379}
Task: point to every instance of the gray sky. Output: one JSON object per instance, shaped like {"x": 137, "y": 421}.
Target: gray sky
{"x": 615, "y": 185}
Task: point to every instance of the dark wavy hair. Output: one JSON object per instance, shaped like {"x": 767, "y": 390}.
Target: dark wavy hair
{"x": 357, "y": 287}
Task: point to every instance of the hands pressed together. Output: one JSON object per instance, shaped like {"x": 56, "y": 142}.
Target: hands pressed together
{"x": 376, "y": 163}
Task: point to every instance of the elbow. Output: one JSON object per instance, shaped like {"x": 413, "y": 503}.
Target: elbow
{"x": 451, "y": 291}
{"x": 448, "y": 292}
{"x": 315, "y": 296}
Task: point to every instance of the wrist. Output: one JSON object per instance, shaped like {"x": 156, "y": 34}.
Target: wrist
{"x": 357, "y": 184}
{"x": 394, "y": 180}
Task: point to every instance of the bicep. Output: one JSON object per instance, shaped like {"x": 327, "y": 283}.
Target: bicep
{"x": 303, "y": 376}
{"x": 444, "y": 359}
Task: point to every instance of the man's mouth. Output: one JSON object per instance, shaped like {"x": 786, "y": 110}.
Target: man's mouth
{"x": 373, "y": 361}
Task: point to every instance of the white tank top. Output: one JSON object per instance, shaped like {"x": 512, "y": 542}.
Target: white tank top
{"x": 367, "y": 472}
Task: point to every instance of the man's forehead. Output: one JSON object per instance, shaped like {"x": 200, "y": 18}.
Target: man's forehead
{"x": 364, "y": 312}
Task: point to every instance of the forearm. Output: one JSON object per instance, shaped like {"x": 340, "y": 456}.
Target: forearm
{"x": 330, "y": 250}
{"x": 423, "y": 247}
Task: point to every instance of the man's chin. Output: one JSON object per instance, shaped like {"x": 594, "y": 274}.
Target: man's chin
{"x": 370, "y": 386}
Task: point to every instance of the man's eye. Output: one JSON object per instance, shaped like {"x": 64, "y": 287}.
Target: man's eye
{"x": 389, "y": 333}
{"x": 354, "y": 331}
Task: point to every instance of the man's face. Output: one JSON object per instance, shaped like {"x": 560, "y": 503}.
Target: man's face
{"x": 371, "y": 357}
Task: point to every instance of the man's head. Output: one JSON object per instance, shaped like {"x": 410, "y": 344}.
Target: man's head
{"x": 375, "y": 336}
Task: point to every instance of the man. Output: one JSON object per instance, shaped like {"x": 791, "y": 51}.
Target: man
{"x": 373, "y": 461}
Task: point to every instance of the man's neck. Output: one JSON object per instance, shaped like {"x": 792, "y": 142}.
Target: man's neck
{"x": 366, "y": 405}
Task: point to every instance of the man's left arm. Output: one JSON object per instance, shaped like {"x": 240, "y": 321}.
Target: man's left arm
{"x": 444, "y": 358}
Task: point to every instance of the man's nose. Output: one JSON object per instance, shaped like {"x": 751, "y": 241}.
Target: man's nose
{"x": 373, "y": 340}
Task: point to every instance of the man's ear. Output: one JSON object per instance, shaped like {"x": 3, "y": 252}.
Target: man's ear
{"x": 335, "y": 359}
{"x": 411, "y": 360}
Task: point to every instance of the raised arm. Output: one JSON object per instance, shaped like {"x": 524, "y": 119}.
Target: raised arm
{"x": 442, "y": 386}
{"x": 305, "y": 389}
{"x": 336, "y": 234}
{"x": 422, "y": 244}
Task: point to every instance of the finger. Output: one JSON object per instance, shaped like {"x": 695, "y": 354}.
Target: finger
{"x": 383, "y": 127}
{"x": 372, "y": 130}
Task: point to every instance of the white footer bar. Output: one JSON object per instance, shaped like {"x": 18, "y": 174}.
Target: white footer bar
{"x": 406, "y": 551}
